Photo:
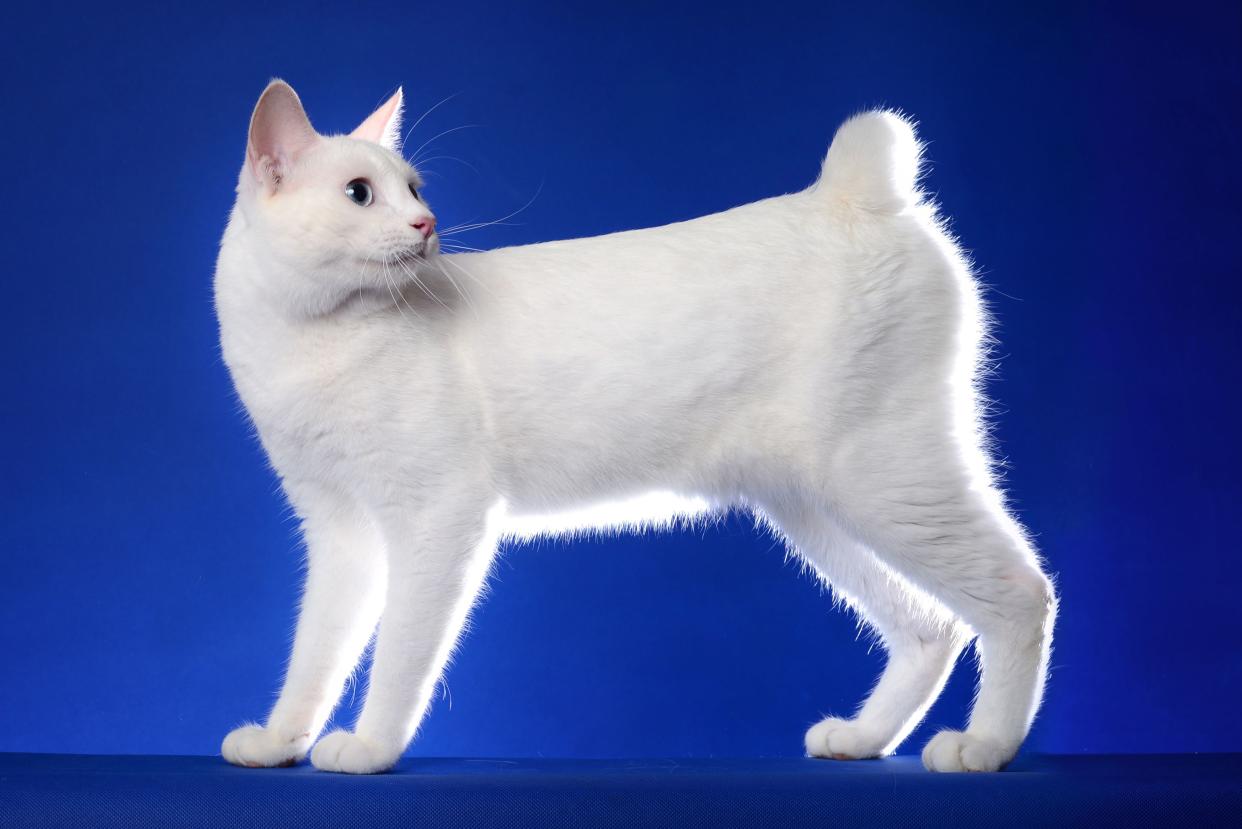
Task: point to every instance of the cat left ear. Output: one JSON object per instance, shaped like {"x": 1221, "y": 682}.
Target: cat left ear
{"x": 279, "y": 133}
{"x": 383, "y": 126}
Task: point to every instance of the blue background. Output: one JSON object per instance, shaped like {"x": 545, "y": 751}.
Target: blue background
{"x": 1088, "y": 154}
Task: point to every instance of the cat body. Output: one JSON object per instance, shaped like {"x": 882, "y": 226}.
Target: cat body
{"x": 811, "y": 357}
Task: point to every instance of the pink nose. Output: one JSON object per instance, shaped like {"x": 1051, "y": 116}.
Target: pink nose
{"x": 425, "y": 225}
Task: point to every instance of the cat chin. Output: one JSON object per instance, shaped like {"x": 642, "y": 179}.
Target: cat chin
{"x": 421, "y": 256}
{"x": 417, "y": 260}
{"x": 374, "y": 268}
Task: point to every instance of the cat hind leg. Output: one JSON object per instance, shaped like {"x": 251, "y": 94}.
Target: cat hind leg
{"x": 928, "y": 518}
{"x": 921, "y": 638}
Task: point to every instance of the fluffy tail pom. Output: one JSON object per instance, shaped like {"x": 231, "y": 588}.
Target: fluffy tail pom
{"x": 874, "y": 163}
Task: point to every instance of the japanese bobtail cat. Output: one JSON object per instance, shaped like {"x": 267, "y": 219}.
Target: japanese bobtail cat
{"x": 811, "y": 357}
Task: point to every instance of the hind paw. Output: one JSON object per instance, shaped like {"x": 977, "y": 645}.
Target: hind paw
{"x": 961, "y": 751}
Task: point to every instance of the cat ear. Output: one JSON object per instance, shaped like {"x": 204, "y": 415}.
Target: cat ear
{"x": 279, "y": 133}
{"x": 383, "y": 126}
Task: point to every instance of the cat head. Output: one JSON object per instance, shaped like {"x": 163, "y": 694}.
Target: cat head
{"x": 332, "y": 214}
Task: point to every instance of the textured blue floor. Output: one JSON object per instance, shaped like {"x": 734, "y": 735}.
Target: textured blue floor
{"x": 65, "y": 790}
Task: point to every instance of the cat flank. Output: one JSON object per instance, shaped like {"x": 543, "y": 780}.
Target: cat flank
{"x": 811, "y": 358}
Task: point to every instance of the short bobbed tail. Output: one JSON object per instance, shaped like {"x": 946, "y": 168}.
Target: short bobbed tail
{"x": 874, "y": 163}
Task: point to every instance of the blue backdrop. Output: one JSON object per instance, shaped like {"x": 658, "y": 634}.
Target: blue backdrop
{"x": 1088, "y": 155}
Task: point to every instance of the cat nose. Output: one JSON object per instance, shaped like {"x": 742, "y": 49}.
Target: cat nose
{"x": 424, "y": 225}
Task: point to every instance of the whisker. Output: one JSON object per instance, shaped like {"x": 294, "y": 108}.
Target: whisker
{"x": 405, "y": 299}
{"x": 502, "y": 220}
{"x": 462, "y": 269}
{"x": 447, "y": 158}
{"x": 477, "y": 225}
{"x": 460, "y": 292}
{"x": 414, "y": 157}
{"x": 362, "y": 273}
{"x": 363, "y": 270}
{"x": 410, "y": 131}
{"x": 395, "y": 302}
{"x": 414, "y": 276}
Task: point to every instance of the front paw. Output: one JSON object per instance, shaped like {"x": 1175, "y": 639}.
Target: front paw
{"x": 342, "y": 751}
{"x": 844, "y": 740}
{"x": 963, "y": 751}
{"x": 256, "y": 747}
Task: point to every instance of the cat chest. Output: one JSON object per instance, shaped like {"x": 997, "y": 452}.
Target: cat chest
{"x": 309, "y": 421}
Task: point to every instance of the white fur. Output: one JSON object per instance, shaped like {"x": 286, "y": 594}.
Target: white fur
{"x": 811, "y": 357}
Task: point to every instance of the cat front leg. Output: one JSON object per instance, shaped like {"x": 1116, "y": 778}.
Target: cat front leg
{"x": 438, "y": 560}
{"x": 341, "y": 603}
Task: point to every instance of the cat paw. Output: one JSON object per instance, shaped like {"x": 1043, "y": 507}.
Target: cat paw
{"x": 841, "y": 739}
{"x": 256, "y": 747}
{"x": 344, "y": 752}
{"x": 959, "y": 751}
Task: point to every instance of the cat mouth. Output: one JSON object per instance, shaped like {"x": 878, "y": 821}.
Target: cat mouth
{"x": 416, "y": 255}
{"x": 418, "y": 252}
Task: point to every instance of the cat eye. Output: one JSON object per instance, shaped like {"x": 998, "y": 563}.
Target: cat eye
{"x": 414, "y": 192}
{"x": 359, "y": 192}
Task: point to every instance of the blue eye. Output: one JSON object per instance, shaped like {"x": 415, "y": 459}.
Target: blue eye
{"x": 359, "y": 192}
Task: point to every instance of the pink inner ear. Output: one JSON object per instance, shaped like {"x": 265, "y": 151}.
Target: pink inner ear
{"x": 383, "y": 126}
{"x": 279, "y": 133}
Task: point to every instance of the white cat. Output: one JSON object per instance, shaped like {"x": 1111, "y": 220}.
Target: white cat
{"x": 812, "y": 357}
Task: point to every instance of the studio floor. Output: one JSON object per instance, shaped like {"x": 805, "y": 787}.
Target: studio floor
{"x": 46, "y": 790}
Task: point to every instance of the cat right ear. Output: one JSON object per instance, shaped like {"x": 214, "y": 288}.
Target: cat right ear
{"x": 279, "y": 133}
